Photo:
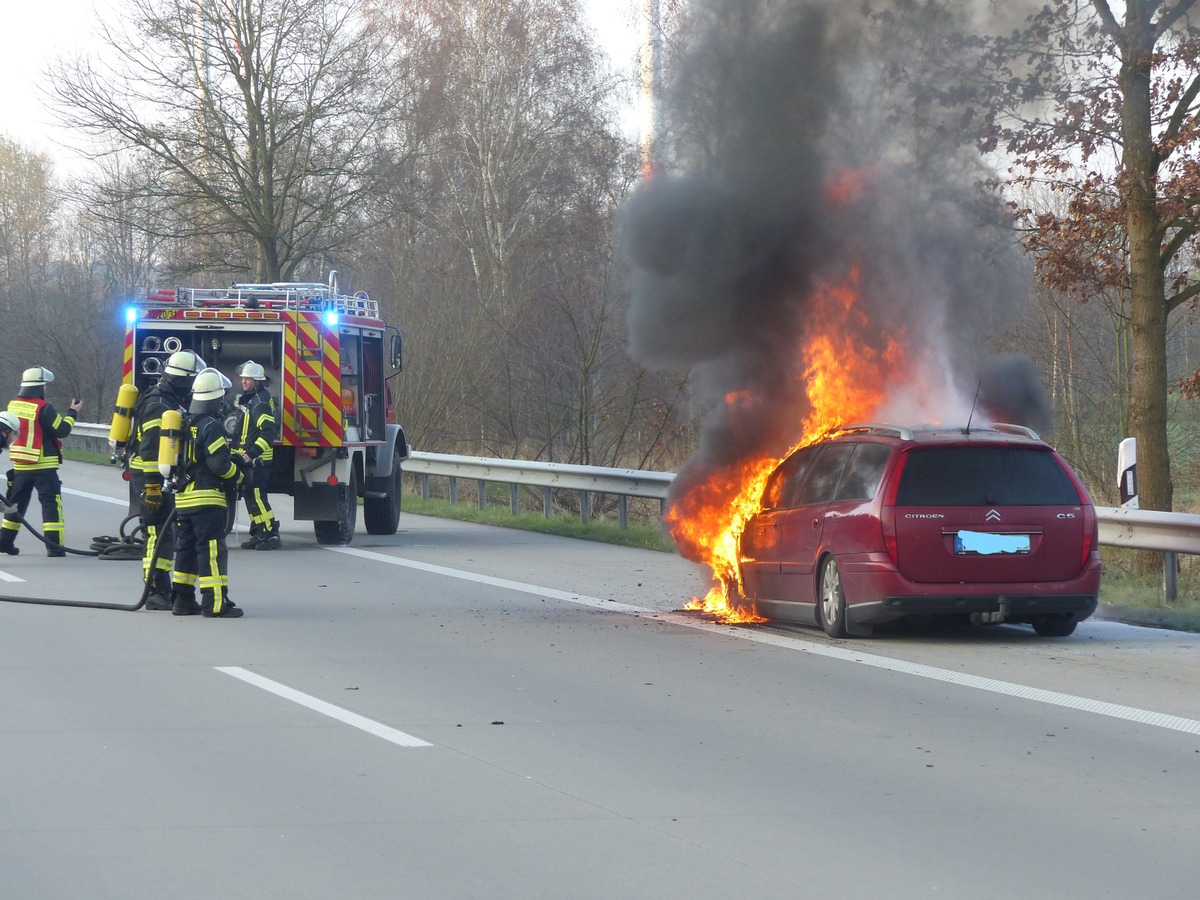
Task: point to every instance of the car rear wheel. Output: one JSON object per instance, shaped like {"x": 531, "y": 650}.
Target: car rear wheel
{"x": 833, "y": 600}
{"x": 1054, "y": 626}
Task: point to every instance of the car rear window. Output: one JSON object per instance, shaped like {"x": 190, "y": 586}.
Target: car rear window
{"x": 984, "y": 476}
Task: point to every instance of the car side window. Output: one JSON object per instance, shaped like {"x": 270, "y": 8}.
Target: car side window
{"x": 826, "y": 471}
{"x": 861, "y": 478}
{"x": 784, "y": 483}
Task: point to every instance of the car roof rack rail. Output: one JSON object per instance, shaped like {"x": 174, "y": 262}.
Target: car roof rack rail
{"x": 1014, "y": 429}
{"x": 905, "y": 434}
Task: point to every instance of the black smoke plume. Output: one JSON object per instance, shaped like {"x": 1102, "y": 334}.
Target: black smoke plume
{"x": 773, "y": 107}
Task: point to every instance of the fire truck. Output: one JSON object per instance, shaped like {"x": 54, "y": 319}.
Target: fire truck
{"x": 327, "y": 356}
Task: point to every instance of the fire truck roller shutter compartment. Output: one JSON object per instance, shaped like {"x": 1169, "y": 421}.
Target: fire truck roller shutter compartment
{"x": 228, "y": 349}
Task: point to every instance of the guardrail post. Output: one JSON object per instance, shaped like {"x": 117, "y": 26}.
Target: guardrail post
{"x": 453, "y": 489}
{"x": 548, "y": 501}
{"x": 514, "y": 497}
{"x": 1171, "y": 576}
{"x": 623, "y": 511}
{"x": 584, "y": 502}
{"x": 482, "y": 493}
{"x": 424, "y": 486}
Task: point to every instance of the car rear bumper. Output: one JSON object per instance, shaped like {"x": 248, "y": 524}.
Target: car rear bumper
{"x": 877, "y": 593}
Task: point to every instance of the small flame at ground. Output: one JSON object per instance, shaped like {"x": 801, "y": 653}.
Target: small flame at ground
{"x": 845, "y": 377}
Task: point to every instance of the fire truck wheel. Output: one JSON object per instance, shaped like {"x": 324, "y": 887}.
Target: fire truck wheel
{"x": 341, "y": 529}
{"x": 381, "y": 515}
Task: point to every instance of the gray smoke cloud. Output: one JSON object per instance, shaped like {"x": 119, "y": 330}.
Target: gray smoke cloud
{"x": 774, "y": 104}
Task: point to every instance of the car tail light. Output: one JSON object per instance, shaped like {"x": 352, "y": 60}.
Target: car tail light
{"x": 1089, "y": 535}
{"x": 887, "y": 513}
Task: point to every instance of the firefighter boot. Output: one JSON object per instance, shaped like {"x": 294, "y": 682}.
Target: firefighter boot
{"x": 182, "y": 605}
{"x": 54, "y": 547}
{"x": 270, "y": 539}
{"x": 155, "y": 600}
{"x": 6, "y": 543}
{"x": 227, "y": 610}
{"x": 160, "y": 592}
{"x": 256, "y": 537}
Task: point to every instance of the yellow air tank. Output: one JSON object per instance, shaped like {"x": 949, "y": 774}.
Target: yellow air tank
{"x": 122, "y": 419}
{"x": 169, "y": 442}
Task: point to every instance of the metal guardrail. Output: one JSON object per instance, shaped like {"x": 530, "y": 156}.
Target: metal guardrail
{"x": 1132, "y": 528}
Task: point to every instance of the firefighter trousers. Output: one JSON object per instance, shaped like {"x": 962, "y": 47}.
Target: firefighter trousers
{"x": 201, "y": 557}
{"x": 254, "y": 489}
{"x": 158, "y": 539}
{"x": 49, "y": 490}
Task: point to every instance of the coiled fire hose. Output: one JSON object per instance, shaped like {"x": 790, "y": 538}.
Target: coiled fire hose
{"x": 104, "y": 548}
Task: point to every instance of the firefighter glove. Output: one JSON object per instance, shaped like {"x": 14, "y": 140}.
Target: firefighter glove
{"x": 152, "y": 499}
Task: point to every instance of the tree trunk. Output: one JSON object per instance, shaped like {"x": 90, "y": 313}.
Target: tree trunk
{"x": 1148, "y": 320}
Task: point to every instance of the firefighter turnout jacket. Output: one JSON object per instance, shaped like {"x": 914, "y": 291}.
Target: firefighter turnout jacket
{"x": 256, "y": 431}
{"x": 148, "y": 428}
{"x": 38, "y": 443}
{"x": 208, "y": 465}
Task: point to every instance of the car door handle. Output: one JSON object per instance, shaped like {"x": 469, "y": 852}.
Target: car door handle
{"x": 816, "y": 523}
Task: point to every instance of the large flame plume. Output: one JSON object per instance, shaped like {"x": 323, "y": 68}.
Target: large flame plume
{"x": 846, "y": 380}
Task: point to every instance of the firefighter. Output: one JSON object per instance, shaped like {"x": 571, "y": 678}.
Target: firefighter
{"x": 171, "y": 392}
{"x": 254, "y": 442}
{"x": 36, "y": 453}
{"x": 10, "y": 427}
{"x": 208, "y": 467}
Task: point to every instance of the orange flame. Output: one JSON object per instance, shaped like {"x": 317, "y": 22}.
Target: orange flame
{"x": 845, "y": 377}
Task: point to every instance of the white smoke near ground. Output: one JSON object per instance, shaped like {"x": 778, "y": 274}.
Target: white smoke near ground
{"x": 773, "y": 105}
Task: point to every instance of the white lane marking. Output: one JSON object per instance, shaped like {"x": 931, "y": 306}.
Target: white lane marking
{"x": 5, "y": 576}
{"x": 326, "y": 709}
{"x": 100, "y": 497}
{"x": 494, "y": 582}
{"x": 749, "y": 633}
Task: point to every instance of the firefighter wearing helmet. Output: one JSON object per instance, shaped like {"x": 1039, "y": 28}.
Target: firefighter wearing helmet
{"x": 35, "y": 449}
{"x": 208, "y": 469}
{"x": 170, "y": 393}
{"x": 10, "y": 427}
{"x": 254, "y": 442}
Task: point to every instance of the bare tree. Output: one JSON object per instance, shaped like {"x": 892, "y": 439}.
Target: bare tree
{"x": 266, "y": 119}
{"x": 500, "y": 254}
{"x": 28, "y": 230}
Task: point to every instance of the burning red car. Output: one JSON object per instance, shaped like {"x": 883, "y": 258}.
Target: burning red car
{"x": 877, "y": 523}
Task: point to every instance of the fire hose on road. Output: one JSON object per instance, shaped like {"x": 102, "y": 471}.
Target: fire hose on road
{"x": 124, "y": 547}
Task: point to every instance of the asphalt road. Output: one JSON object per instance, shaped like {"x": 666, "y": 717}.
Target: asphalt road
{"x": 464, "y": 712}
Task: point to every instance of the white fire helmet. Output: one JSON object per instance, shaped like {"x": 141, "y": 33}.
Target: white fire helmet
{"x": 210, "y": 385}
{"x": 251, "y": 369}
{"x": 184, "y": 363}
{"x": 35, "y": 376}
{"x": 9, "y": 421}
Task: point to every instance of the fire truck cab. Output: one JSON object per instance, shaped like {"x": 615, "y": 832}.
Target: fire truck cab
{"x": 326, "y": 357}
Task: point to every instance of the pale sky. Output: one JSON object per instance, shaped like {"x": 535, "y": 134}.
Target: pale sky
{"x": 37, "y": 30}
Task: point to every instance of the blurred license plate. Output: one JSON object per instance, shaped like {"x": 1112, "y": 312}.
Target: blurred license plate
{"x": 984, "y": 543}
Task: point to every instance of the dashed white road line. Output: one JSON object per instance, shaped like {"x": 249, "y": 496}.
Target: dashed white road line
{"x": 992, "y": 685}
{"x": 326, "y": 709}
